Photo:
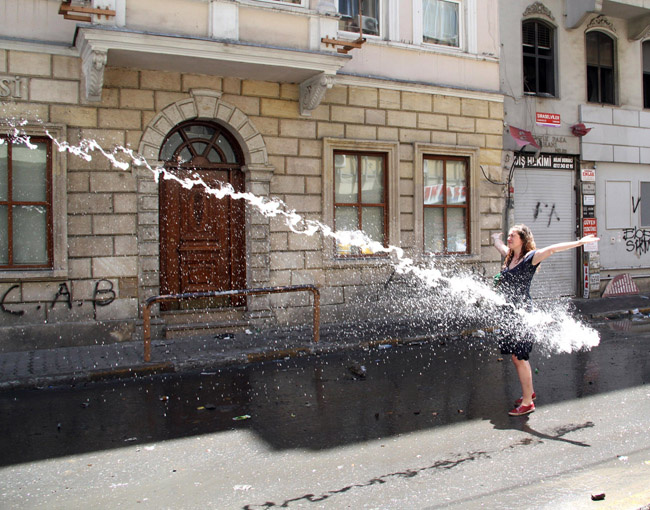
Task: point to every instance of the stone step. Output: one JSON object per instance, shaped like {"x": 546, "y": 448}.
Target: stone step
{"x": 196, "y": 316}
{"x": 204, "y": 328}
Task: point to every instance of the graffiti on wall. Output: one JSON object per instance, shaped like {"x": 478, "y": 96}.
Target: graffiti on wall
{"x": 551, "y": 213}
{"x": 637, "y": 240}
{"x": 103, "y": 295}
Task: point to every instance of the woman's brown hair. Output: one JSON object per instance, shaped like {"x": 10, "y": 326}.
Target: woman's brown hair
{"x": 527, "y": 239}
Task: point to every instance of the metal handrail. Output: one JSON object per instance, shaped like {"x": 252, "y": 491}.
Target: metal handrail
{"x": 146, "y": 311}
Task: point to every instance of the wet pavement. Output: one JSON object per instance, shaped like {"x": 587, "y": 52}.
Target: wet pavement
{"x": 73, "y": 365}
{"x": 390, "y": 421}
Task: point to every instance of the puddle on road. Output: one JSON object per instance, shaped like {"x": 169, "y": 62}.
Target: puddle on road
{"x": 312, "y": 402}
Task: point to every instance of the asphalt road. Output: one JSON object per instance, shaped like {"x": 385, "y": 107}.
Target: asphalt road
{"x": 406, "y": 427}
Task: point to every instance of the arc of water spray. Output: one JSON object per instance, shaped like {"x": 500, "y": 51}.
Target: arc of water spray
{"x": 579, "y": 336}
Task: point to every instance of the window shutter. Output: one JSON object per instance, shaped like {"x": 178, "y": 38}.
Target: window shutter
{"x": 528, "y": 34}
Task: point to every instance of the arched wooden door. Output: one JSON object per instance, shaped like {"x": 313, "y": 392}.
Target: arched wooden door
{"x": 202, "y": 238}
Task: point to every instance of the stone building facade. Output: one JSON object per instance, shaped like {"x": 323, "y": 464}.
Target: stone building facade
{"x": 105, "y": 221}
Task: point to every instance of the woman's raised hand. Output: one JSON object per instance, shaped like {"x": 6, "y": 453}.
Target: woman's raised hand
{"x": 589, "y": 239}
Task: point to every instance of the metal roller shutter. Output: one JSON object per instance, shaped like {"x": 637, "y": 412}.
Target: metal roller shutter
{"x": 544, "y": 200}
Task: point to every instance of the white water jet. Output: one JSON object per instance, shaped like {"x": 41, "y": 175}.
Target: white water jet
{"x": 554, "y": 330}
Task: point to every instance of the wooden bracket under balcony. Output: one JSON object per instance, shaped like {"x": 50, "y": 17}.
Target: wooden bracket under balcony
{"x": 346, "y": 45}
{"x": 82, "y": 13}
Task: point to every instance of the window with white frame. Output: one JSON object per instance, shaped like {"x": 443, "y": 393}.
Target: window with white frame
{"x": 370, "y": 16}
{"x": 441, "y": 22}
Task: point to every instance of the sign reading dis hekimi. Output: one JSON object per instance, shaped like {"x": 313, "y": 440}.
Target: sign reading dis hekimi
{"x": 547, "y": 119}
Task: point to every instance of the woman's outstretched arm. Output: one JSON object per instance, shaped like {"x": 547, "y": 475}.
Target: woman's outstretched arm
{"x": 499, "y": 245}
{"x": 544, "y": 253}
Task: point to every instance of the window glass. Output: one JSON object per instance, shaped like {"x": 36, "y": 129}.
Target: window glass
{"x": 170, "y": 146}
{"x": 440, "y": 19}
{"x": 4, "y": 235}
{"x": 199, "y": 148}
{"x": 225, "y": 146}
{"x": 434, "y": 230}
{"x": 349, "y": 10}
{"x": 4, "y": 170}
{"x": 30, "y": 249}
{"x": 201, "y": 136}
{"x": 185, "y": 155}
{"x": 592, "y": 49}
{"x": 345, "y": 175}
{"x": 646, "y": 74}
{"x": 199, "y": 131}
{"x": 213, "y": 156}
{"x": 29, "y": 169}
{"x": 373, "y": 223}
{"x": 457, "y": 234}
{"x": 606, "y": 51}
{"x": 346, "y": 219}
{"x": 372, "y": 179}
{"x": 456, "y": 182}
{"x": 433, "y": 181}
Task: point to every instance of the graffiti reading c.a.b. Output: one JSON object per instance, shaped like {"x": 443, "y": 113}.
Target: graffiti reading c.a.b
{"x": 103, "y": 295}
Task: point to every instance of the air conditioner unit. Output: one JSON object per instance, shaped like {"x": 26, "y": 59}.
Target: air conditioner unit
{"x": 370, "y": 25}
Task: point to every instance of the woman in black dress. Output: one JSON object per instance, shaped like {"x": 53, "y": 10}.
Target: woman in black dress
{"x": 521, "y": 262}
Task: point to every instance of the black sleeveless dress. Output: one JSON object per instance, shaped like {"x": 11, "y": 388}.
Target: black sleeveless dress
{"x": 514, "y": 284}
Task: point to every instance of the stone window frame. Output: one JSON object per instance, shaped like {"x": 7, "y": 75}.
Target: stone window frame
{"x": 59, "y": 269}
{"x": 391, "y": 150}
{"x": 472, "y": 155}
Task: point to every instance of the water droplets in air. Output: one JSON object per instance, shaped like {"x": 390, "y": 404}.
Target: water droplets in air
{"x": 436, "y": 295}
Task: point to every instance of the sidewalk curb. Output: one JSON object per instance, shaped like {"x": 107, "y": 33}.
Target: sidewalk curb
{"x": 616, "y": 314}
{"x": 71, "y": 378}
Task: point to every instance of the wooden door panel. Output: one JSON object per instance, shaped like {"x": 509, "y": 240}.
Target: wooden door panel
{"x": 203, "y": 271}
{"x": 202, "y": 237}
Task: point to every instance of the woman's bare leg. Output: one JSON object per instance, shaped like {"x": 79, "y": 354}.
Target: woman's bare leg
{"x": 525, "y": 378}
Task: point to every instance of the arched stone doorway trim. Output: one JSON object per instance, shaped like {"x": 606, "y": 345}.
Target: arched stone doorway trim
{"x": 205, "y": 104}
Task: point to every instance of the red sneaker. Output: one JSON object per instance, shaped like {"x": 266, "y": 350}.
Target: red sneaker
{"x": 521, "y": 410}
{"x": 520, "y": 400}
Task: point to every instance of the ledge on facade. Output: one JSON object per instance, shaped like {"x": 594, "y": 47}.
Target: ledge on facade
{"x": 638, "y": 18}
{"x": 102, "y": 46}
